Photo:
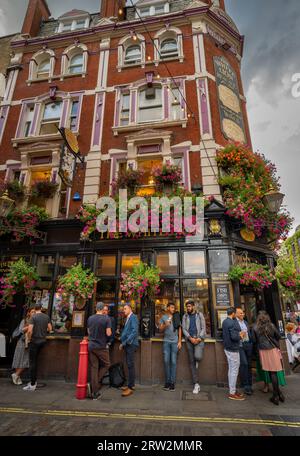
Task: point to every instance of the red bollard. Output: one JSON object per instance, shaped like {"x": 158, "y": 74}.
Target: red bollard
{"x": 81, "y": 386}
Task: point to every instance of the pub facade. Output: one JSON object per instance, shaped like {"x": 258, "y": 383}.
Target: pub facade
{"x": 138, "y": 87}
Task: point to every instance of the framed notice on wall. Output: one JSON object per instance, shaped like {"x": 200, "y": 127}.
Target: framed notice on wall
{"x": 222, "y": 294}
{"x": 78, "y": 319}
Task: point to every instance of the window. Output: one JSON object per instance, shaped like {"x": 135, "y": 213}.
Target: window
{"x": 74, "y": 115}
{"x": 51, "y": 118}
{"x": 167, "y": 262}
{"x": 133, "y": 55}
{"x": 150, "y": 104}
{"x": 76, "y": 24}
{"x": 125, "y": 109}
{"x": 66, "y": 27}
{"x": 76, "y": 64}
{"x": 106, "y": 293}
{"x": 175, "y": 103}
{"x": 159, "y": 9}
{"x": 28, "y": 120}
{"x": 106, "y": 265}
{"x": 43, "y": 69}
{"x": 194, "y": 262}
{"x": 148, "y": 181}
{"x": 169, "y": 48}
{"x": 144, "y": 12}
{"x": 45, "y": 270}
{"x": 79, "y": 24}
{"x": 129, "y": 260}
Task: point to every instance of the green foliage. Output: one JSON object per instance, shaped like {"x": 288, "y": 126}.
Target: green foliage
{"x": 252, "y": 274}
{"x": 77, "y": 282}
{"x": 143, "y": 281}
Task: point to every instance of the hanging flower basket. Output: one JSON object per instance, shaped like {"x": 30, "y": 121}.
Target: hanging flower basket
{"x": 255, "y": 275}
{"x": 77, "y": 282}
{"x": 142, "y": 282}
{"x": 43, "y": 190}
{"x": 16, "y": 191}
{"x": 168, "y": 176}
{"x": 130, "y": 179}
{"x": 21, "y": 279}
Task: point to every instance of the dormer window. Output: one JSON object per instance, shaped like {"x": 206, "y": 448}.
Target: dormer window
{"x": 73, "y": 20}
{"x": 151, "y": 8}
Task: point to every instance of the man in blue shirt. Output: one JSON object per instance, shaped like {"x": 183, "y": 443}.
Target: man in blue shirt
{"x": 171, "y": 328}
{"x": 130, "y": 343}
{"x": 194, "y": 331}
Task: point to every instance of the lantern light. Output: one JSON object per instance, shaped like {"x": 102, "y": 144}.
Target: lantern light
{"x": 6, "y": 204}
{"x": 273, "y": 200}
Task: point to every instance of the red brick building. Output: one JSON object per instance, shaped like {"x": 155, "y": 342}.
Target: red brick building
{"x": 138, "y": 86}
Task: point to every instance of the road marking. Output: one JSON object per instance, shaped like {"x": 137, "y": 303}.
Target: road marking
{"x": 135, "y": 416}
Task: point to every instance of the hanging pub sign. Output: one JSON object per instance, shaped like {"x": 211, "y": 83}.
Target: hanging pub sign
{"x": 69, "y": 155}
{"x": 231, "y": 115}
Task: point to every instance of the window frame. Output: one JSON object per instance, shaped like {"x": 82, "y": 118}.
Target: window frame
{"x": 138, "y": 61}
{"x": 45, "y": 122}
{"x": 70, "y": 65}
{"x": 144, "y": 108}
{"x": 164, "y": 55}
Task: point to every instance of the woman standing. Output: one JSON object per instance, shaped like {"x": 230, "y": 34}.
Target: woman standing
{"x": 266, "y": 338}
{"x": 21, "y": 355}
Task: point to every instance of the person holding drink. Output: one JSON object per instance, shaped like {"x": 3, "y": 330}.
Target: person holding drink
{"x": 246, "y": 349}
{"x": 170, "y": 325}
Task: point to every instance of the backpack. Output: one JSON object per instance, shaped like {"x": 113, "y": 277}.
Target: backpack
{"x": 116, "y": 375}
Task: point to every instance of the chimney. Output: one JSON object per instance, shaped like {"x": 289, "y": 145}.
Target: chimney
{"x": 37, "y": 11}
{"x": 113, "y": 8}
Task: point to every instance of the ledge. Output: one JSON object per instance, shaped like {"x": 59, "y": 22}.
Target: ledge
{"x": 32, "y": 139}
{"x": 142, "y": 126}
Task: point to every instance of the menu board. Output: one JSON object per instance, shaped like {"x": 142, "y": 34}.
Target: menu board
{"x": 222, "y": 294}
{"x": 231, "y": 115}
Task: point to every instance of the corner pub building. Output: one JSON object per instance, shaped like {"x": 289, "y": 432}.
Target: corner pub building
{"x": 90, "y": 73}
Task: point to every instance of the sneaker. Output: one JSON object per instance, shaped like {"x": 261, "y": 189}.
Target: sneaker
{"x": 197, "y": 364}
{"x": 248, "y": 391}
{"x": 14, "y": 378}
{"x": 30, "y": 387}
{"x": 239, "y": 395}
{"x": 236, "y": 397}
{"x": 167, "y": 387}
{"x": 196, "y": 389}
{"x": 172, "y": 387}
{"x": 89, "y": 391}
{"x": 19, "y": 381}
{"x": 96, "y": 396}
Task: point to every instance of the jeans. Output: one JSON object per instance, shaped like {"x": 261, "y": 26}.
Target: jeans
{"x": 170, "y": 351}
{"x": 98, "y": 356}
{"x": 130, "y": 355}
{"x": 34, "y": 350}
{"x": 245, "y": 366}
{"x": 195, "y": 353}
{"x": 233, "y": 359}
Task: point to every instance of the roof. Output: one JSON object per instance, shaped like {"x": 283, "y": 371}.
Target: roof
{"x": 74, "y": 12}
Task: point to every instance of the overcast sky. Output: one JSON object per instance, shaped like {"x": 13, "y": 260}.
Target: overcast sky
{"x": 271, "y": 57}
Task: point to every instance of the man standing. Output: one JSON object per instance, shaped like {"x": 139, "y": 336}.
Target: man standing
{"x": 171, "y": 327}
{"x": 99, "y": 330}
{"x": 194, "y": 331}
{"x": 246, "y": 348}
{"x": 130, "y": 343}
{"x": 232, "y": 336}
{"x": 39, "y": 326}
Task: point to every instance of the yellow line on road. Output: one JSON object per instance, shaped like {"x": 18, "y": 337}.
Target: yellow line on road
{"x": 133, "y": 416}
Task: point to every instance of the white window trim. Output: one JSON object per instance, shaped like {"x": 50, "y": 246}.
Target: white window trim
{"x": 143, "y": 122}
{"x": 124, "y": 44}
{"x": 164, "y": 34}
{"x": 68, "y": 54}
{"x": 73, "y": 22}
{"x": 151, "y": 8}
{"x": 36, "y": 60}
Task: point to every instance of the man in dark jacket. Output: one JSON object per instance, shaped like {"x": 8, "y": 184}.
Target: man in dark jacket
{"x": 246, "y": 348}
{"x": 232, "y": 335}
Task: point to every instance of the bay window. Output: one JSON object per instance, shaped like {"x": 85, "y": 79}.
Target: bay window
{"x": 51, "y": 118}
{"x": 150, "y": 104}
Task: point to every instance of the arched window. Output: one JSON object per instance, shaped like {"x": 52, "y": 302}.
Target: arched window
{"x": 133, "y": 54}
{"x": 169, "y": 48}
{"x": 43, "y": 69}
{"x": 150, "y": 104}
{"x": 76, "y": 64}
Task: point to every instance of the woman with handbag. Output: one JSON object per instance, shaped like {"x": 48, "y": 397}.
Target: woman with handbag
{"x": 21, "y": 355}
{"x": 266, "y": 337}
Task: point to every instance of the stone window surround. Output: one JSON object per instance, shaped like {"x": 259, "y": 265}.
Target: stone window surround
{"x": 36, "y": 60}
{"x": 134, "y": 89}
{"x": 39, "y": 102}
{"x": 124, "y": 43}
{"x": 167, "y": 153}
{"x": 73, "y": 20}
{"x": 68, "y": 54}
{"x": 163, "y": 34}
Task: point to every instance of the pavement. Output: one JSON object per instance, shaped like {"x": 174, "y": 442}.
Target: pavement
{"x": 53, "y": 410}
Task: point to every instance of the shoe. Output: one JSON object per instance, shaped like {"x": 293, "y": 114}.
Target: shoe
{"x": 236, "y": 397}
{"x": 248, "y": 391}
{"x": 14, "y": 378}
{"x": 167, "y": 387}
{"x": 197, "y": 365}
{"x": 172, "y": 387}
{"x": 127, "y": 392}
{"x": 89, "y": 391}
{"x": 196, "y": 389}
{"x": 124, "y": 388}
{"x": 30, "y": 387}
{"x": 281, "y": 397}
{"x": 96, "y": 396}
{"x": 19, "y": 381}
{"x": 239, "y": 395}
{"x": 275, "y": 400}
